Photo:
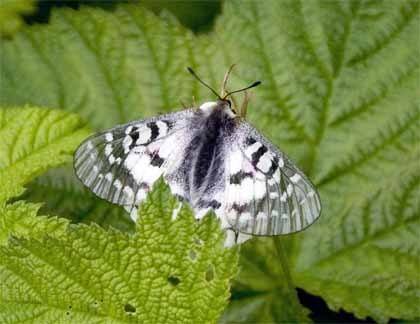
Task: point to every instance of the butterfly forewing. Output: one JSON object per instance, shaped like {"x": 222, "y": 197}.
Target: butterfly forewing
{"x": 265, "y": 193}
{"x": 121, "y": 164}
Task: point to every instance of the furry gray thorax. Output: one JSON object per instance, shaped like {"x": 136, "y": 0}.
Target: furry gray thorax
{"x": 204, "y": 157}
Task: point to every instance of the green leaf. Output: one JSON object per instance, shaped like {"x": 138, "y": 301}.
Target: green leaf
{"x": 21, "y": 219}
{"x": 339, "y": 94}
{"x": 10, "y": 15}
{"x": 33, "y": 139}
{"x": 168, "y": 271}
{"x": 264, "y": 292}
{"x": 128, "y": 65}
{"x": 339, "y": 88}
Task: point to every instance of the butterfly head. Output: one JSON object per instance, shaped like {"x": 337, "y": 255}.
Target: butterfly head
{"x": 224, "y": 106}
{"x": 224, "y": 103}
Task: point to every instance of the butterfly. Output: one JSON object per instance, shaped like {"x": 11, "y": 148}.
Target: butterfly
{"x": 211, "y": 158}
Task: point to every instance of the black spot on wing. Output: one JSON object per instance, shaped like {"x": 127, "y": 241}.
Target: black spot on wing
{"x": 157, "y": 161}
{"x": 250, "y": 141}
{"x": 255, "y": 157}
{"x": 134, "y": 137}
{"x": 274, "y": 166}
{"x": 206, "y": 204}
{"x": 239, "y": 176}
{"x": 258, "y": 204}
{"x": 145, "y": 186}
{"x": 240, "y": 208}
{"x": 154, "y": 130}
{"x": 179, "y": 197}
{"x": 168, "y": 123}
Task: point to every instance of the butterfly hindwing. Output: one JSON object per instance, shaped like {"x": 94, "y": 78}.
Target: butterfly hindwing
{"x": 120, "y": 165}
{"x": 265, "y": 193}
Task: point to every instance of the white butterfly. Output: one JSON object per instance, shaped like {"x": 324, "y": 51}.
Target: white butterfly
{"x": 211, "y": 158}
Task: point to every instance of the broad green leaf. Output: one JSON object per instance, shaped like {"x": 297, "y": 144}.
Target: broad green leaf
{"x": 341, "y": 95}
{"x": 33, "y": 139}
{"x": 340, "y": 80}
{"x": 169, "y": 271}
{"x": 10, "y": 15}
{"x": 264, "y": 292}
{"x": 22, "y": 219}
{"x": 128, "y": 65}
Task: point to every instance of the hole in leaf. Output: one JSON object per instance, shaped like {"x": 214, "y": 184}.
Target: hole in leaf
{"x": 129, "y": 308}
{"x": 210, "y": 273}
{"x": 70, "y": 307}
{"x": 193, "y": 255}
{"x": 67, "y": 313}
{"x": 174, "y": 280}
{"x": 198, "y": 241}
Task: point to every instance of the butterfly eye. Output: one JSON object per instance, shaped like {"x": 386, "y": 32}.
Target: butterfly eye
{"x": 230, "y": 106}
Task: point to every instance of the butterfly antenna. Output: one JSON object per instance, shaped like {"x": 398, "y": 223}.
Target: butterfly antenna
{"x": 225, "y": 79}
{"x": 256, "y": 83}
{"x": 202, "y": 82}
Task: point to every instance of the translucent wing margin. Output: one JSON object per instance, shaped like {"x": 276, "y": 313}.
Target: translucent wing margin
{"x": 121, "y": 164}
{"x": 266, "y": 194}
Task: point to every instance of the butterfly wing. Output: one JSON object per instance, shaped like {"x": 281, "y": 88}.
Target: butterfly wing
{"x": 266, "y": 194}
{"x": 121, "y": 164}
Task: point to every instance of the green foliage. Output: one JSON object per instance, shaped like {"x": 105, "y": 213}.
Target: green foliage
{"x": 167, "y": 272}
{"x": 338, "y": 95}
{"x": 20, "y": 219}
{"x": 33, "y": 139}
{"x": 264, "y": 291}
{"x": 52, "y": 271}
{"x": 10, "y": 15}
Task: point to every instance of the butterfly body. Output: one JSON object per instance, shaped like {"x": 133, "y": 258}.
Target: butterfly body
{"x": 211, "y": 158}
{"x": 202, "y": 168}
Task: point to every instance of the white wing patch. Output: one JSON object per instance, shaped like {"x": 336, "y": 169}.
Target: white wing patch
{"x": 265, "y": 193}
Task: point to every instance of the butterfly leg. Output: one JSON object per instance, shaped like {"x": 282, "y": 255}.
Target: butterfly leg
{"x": 234, "y": 237}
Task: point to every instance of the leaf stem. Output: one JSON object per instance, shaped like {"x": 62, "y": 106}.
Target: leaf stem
{"x": 281, "y": 253}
